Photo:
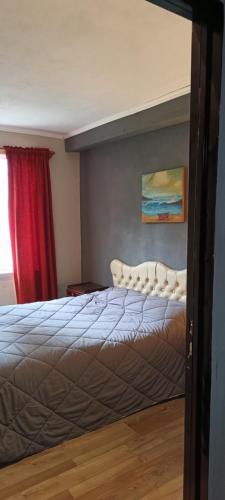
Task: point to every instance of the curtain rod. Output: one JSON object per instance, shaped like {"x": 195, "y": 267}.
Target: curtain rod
{"x": 2, "y": 149}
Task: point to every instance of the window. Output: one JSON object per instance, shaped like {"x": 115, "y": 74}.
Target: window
{"x": 6, "y": 265}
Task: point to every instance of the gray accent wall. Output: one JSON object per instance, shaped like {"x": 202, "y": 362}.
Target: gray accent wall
{"x": 111, "y": 203}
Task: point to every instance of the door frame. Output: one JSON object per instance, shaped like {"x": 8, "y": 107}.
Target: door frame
{"x": 206, "y": 74}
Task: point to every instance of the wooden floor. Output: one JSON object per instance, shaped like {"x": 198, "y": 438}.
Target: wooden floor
{"x": 139, "y": 457}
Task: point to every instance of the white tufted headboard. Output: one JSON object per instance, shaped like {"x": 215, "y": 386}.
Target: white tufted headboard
{"x": 151, "y": 278}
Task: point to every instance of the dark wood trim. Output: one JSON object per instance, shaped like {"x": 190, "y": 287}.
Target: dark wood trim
{"x": 194, "y": 221}
{"x": 181, "y": 8}
{"x": 205, "y": 102}
{"x": 209, "y": 208}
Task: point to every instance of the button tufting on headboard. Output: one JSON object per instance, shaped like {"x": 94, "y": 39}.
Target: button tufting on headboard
{"x": 151, "y": 278}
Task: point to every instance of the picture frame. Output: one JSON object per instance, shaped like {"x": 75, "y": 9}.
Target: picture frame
{"x": 164, "y": 196}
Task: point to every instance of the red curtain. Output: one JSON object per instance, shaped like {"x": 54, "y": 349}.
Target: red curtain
{"x": 31, "y": 224}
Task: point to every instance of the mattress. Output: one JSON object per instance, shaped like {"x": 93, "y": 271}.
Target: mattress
{"x": 71, "y": 365}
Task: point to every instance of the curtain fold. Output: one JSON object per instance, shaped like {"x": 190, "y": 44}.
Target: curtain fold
{"x": 31, "y": 224}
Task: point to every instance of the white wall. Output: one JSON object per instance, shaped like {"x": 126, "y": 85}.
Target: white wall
{"x": 65, "y": 180}
{"x": 7, "y": 290}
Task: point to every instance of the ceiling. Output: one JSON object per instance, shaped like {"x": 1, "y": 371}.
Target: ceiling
{"x": 69, "y": 65}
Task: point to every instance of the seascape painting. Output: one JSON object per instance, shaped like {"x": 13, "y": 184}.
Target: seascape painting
{"x": 163, "y": 196}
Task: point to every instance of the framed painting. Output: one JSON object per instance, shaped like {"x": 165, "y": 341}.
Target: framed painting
{"x": 163, "y": 196}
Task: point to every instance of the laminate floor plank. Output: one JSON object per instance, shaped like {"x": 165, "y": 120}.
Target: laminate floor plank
{"x": 138, "y": 458}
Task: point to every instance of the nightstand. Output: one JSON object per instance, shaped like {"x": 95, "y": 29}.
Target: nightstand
{"x": 81, "y": 288}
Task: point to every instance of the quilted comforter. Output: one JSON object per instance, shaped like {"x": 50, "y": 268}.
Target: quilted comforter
{"x": 71, "y": 365}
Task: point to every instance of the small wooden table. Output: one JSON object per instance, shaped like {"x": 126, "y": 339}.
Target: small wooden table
{"x": 82, "y": 288}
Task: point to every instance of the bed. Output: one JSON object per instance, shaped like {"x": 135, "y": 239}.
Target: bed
{"x": 71, "y": 365}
